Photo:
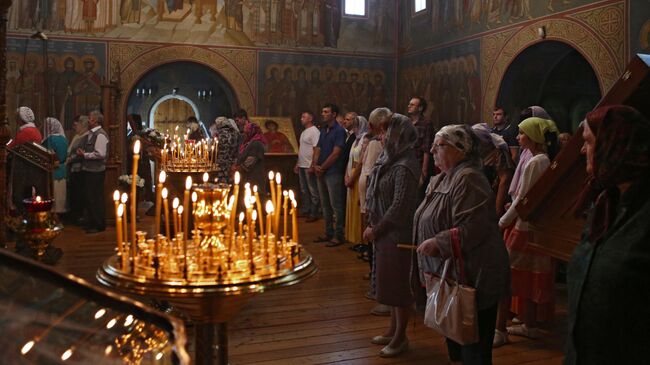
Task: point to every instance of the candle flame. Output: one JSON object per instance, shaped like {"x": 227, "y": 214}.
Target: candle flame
{"x": 162, "y": 177}
{"x": 27, "y": 347}
{"x": 278, "y": 178}
{"x": 269, "y": 207}
{"x": 241, "y": 217}
{"x": 247, "y": 202}
{"x": 38, "y": 198}
{"x": 237, "y": 177}
{"x": 116, "y": 195}
{"x": 292, "y": 196}
{"x": 188, "y": 183}
{"x": 175, "y": 203}
{"x": 271, "y": 175}
{"x": 136, "y": 147}
{"x": 180, "y": 209}
{"x": 120, "y": 210}
{"x": 206, "y": 177}
{"x": 195, "y": 197}
{"x": 247, "y": 186}
{"x": 254, "y": 215}
{"x": 285, "y": 194}
{"x": 125, "y": 198}
{"x": 255, "y": 188}
{"x": 164, "y": 193}
{"x": 294, "y": 203}
{"x": 66, "y": 355}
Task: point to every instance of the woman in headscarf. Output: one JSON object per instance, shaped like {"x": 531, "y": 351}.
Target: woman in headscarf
{"x": 460, "y": 198}
{"x": 353, "y": 230}
{"x": 55, "y": 140}
{"x": 609, "y": 272}
{"x": 226, "y": 132}
{"x": 27, "y": 131}
{"x": 533, "y": 285}
{"x": 250, "y": 162}
{"x": 497, "y": 163}
{"x": 390, "y": 203}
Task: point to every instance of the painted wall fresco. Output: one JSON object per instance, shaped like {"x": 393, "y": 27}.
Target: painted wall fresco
{"x": 70, "y": 81}
{"x": 275, "y": 23}
{"x": 639, "y": 26}
{"x": 292, "y": 83}
{"x": 448, "y": 79}
{"x": 447, "y": 20}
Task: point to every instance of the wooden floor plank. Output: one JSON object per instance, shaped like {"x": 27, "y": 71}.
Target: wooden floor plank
{"x": 324, "y": 320}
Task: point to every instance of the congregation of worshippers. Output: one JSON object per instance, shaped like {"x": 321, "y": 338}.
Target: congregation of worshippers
{"x": 382, "y": 181}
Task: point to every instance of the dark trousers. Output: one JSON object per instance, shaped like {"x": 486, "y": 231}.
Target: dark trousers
{"x": 479, "y": 353}
{"x": 76, "y": 195}
{"x": 93, "y": 188}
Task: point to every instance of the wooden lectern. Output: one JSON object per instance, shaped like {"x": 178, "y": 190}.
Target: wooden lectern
{"x": 548, "y": 206}
{"x": 31, "y": 167}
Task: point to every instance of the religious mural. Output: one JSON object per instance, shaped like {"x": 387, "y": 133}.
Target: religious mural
{"x": 69, "y": 85}
{"x": 279, "y": 134}
{"x": 449, "y": 80}
{"x": 277, "y": 23}
{"x": 292, "y": 83}
{"x": 448, "y": 20}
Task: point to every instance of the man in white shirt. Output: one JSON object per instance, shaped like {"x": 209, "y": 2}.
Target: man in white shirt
{"x": 310, "y": 201}
{"x": 93, "y": 168}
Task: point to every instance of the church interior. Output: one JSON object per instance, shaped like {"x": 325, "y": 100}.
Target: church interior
{"x": 236, "y": 181}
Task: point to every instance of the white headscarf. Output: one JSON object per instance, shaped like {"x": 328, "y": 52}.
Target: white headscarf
{"x": 225, "y": 122}
{"x": 53, "y": 128}
{"x": 26, "y": 114}
{"x": 456, "y": 136}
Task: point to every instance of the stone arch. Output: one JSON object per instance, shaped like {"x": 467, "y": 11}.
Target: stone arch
{"x": 498, "y": 51}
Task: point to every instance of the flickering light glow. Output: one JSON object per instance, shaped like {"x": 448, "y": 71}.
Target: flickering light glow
{"x": 27, "y": 347}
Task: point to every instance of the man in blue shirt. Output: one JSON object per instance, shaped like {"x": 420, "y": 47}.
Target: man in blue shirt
{"x": 328, "y": 165}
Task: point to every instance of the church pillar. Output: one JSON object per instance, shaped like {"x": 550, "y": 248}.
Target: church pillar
{"x": 5, "y": 134}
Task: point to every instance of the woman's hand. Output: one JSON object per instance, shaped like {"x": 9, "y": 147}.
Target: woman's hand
{"x": 368, "y": 235}
{"x": 429, "y": 248}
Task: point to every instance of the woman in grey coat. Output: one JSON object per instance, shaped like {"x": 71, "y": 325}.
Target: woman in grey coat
{"x": 460, "y": 197}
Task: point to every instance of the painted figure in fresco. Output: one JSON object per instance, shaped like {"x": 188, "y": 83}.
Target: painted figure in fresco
{"x": 330, "y": 86}
{"x": 359, "y": 93}
{"x": 301, "y": 90}
{"x": 27, "y": 13}
{"x": 332, "y": 22}
{"x": 30, "y": 85}
{"x": 382, "y": 21}
{"x": 493, "y": 12}
{"x": 277, "y": 142}
{"x": 345, "y": 95}
{"x": 288, "y": 21}
{"x": 89, "y": 14}
{"x": 87, "y": 89}
{"x": 63, "y": 94}
{"x": 235, "y": 14}
{"x": 108, "y": 15}
{"x": 379, "y": 94}
{"x": 287, "y": 94}
{"x": 314, "y": 96}
{"x": 73, "y": 16}
{"x": 130, "y": 11}
{"x": 272, "y": 94}
{"x": 475, "y": 11}
{"x": 51, "y": 77}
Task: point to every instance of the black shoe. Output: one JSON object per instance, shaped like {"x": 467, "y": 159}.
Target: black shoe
{"x": 321, "y": 239}
{"x": 335, "y": 242}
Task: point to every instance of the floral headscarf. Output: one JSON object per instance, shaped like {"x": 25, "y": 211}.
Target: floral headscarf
{"x": 252, "y": 132}
{"x": 621, "y": 154}
{"x": 26, "y": 114}
{"x": 53, "y": 127}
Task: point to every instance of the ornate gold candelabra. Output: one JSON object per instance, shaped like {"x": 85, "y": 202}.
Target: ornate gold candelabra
{"x": 210, "y": 273}
{"x": 39, "y": 227}
{"x": 187, "y": 155}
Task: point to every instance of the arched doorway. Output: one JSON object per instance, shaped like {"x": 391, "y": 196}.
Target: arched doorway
{"x": 181, "y": 89}
{"x": 554, "y": 75}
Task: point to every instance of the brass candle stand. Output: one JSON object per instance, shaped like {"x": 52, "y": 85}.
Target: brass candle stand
{"x": 189, "y": 155}
{"x": 39, "y": 227}
{"x": 211, "y": 274}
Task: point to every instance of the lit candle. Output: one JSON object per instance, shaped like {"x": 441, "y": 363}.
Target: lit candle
{"x": 249, "y": 221}
{"x": 116, "y": 200}
{"x": 252, "y": 226}
{"x": 175, "y": 204}
{"x": 278, "y": 197}
{"x": 294, "y": 220}
{"x": 272, "y": 186}
{"x": 285, "y": 207}
{"x": 161, "y": 180}
{"x": 236, "y": 195}
{"x": 166, "y": 208}
{"x": 206, "y": 177}
{"x": 134, "y": 173}
{"x": 269, "y": 214}
{"x": 186, "y": 204}
{"x": 123, "y": 200}
{"x": 118, "y": 228}
{"x": 241, "y": 223}
{"x": 195, "y": 197}
{"x": 258, "y": 205}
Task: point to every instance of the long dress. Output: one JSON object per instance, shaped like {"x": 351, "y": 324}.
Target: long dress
{"x": 352, "y": 209}
{"x": 532, "y": 272}
{"x": 59, "y": 145}
{"x": 229, "y": 140}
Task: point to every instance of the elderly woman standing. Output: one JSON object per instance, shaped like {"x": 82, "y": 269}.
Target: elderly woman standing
{"x": 55, "y": 140}
{"x": 533, "y": 286}
{"x": 226, "y": 132}
{"x": 390, "y": 203}
{"x": 461, "y": 198}
{"x": 27, "y": 131}
{"x": 609, "y": 272}
{"x": 250, "y": 162}
{"x": 353, "y": 224}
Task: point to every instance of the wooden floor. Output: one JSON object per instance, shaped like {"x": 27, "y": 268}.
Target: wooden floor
{"x": 323, "y": 320}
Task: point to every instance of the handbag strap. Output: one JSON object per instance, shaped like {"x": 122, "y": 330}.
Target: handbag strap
{"x": 457, "y": 254}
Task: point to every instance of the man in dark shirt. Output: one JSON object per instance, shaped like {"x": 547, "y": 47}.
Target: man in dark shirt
{"x": 503, "y": 127}
{"x": 415, "y": 110}
{"x": 328, "y": 165}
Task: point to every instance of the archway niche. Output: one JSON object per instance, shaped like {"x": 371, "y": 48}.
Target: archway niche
{"x": 174, "y": 91}
{"x": 554, "y": 75}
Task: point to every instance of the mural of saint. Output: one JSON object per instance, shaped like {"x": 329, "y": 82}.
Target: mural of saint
{"x": 277, "y": 142}
{"x": 379, "y": 94}
{"x": 272, "y": 94}
{"x": 315, "y": 94}
{"x": 130, "y": 11}
{"x": 332, "y": 22}
{"x": 234, "y": 14}
{"x": 74, "y": 21}
{"x": 301, "y": 90}
{"x": 345, "y": 97}
{"x": 87, "y": 89}
{"x": 64, "y": 93}
{"x": 29, "y": 85}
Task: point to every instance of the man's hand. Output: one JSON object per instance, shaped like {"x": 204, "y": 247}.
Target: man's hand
{"x": 296, "y": 169}
{"x": 80, "y": 152}
{"x": 319, "y": 170}
{"x": 429, "y": 248}
{"x": 368, "y": 235}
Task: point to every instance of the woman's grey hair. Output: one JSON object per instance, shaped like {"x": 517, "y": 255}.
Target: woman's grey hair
{"x": 379, "y": 116}
{"x": 83, "y": 121}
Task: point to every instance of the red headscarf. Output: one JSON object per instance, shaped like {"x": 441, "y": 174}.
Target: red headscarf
{"x": 621, "y": 154}
{"x": 252, "y": 132}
